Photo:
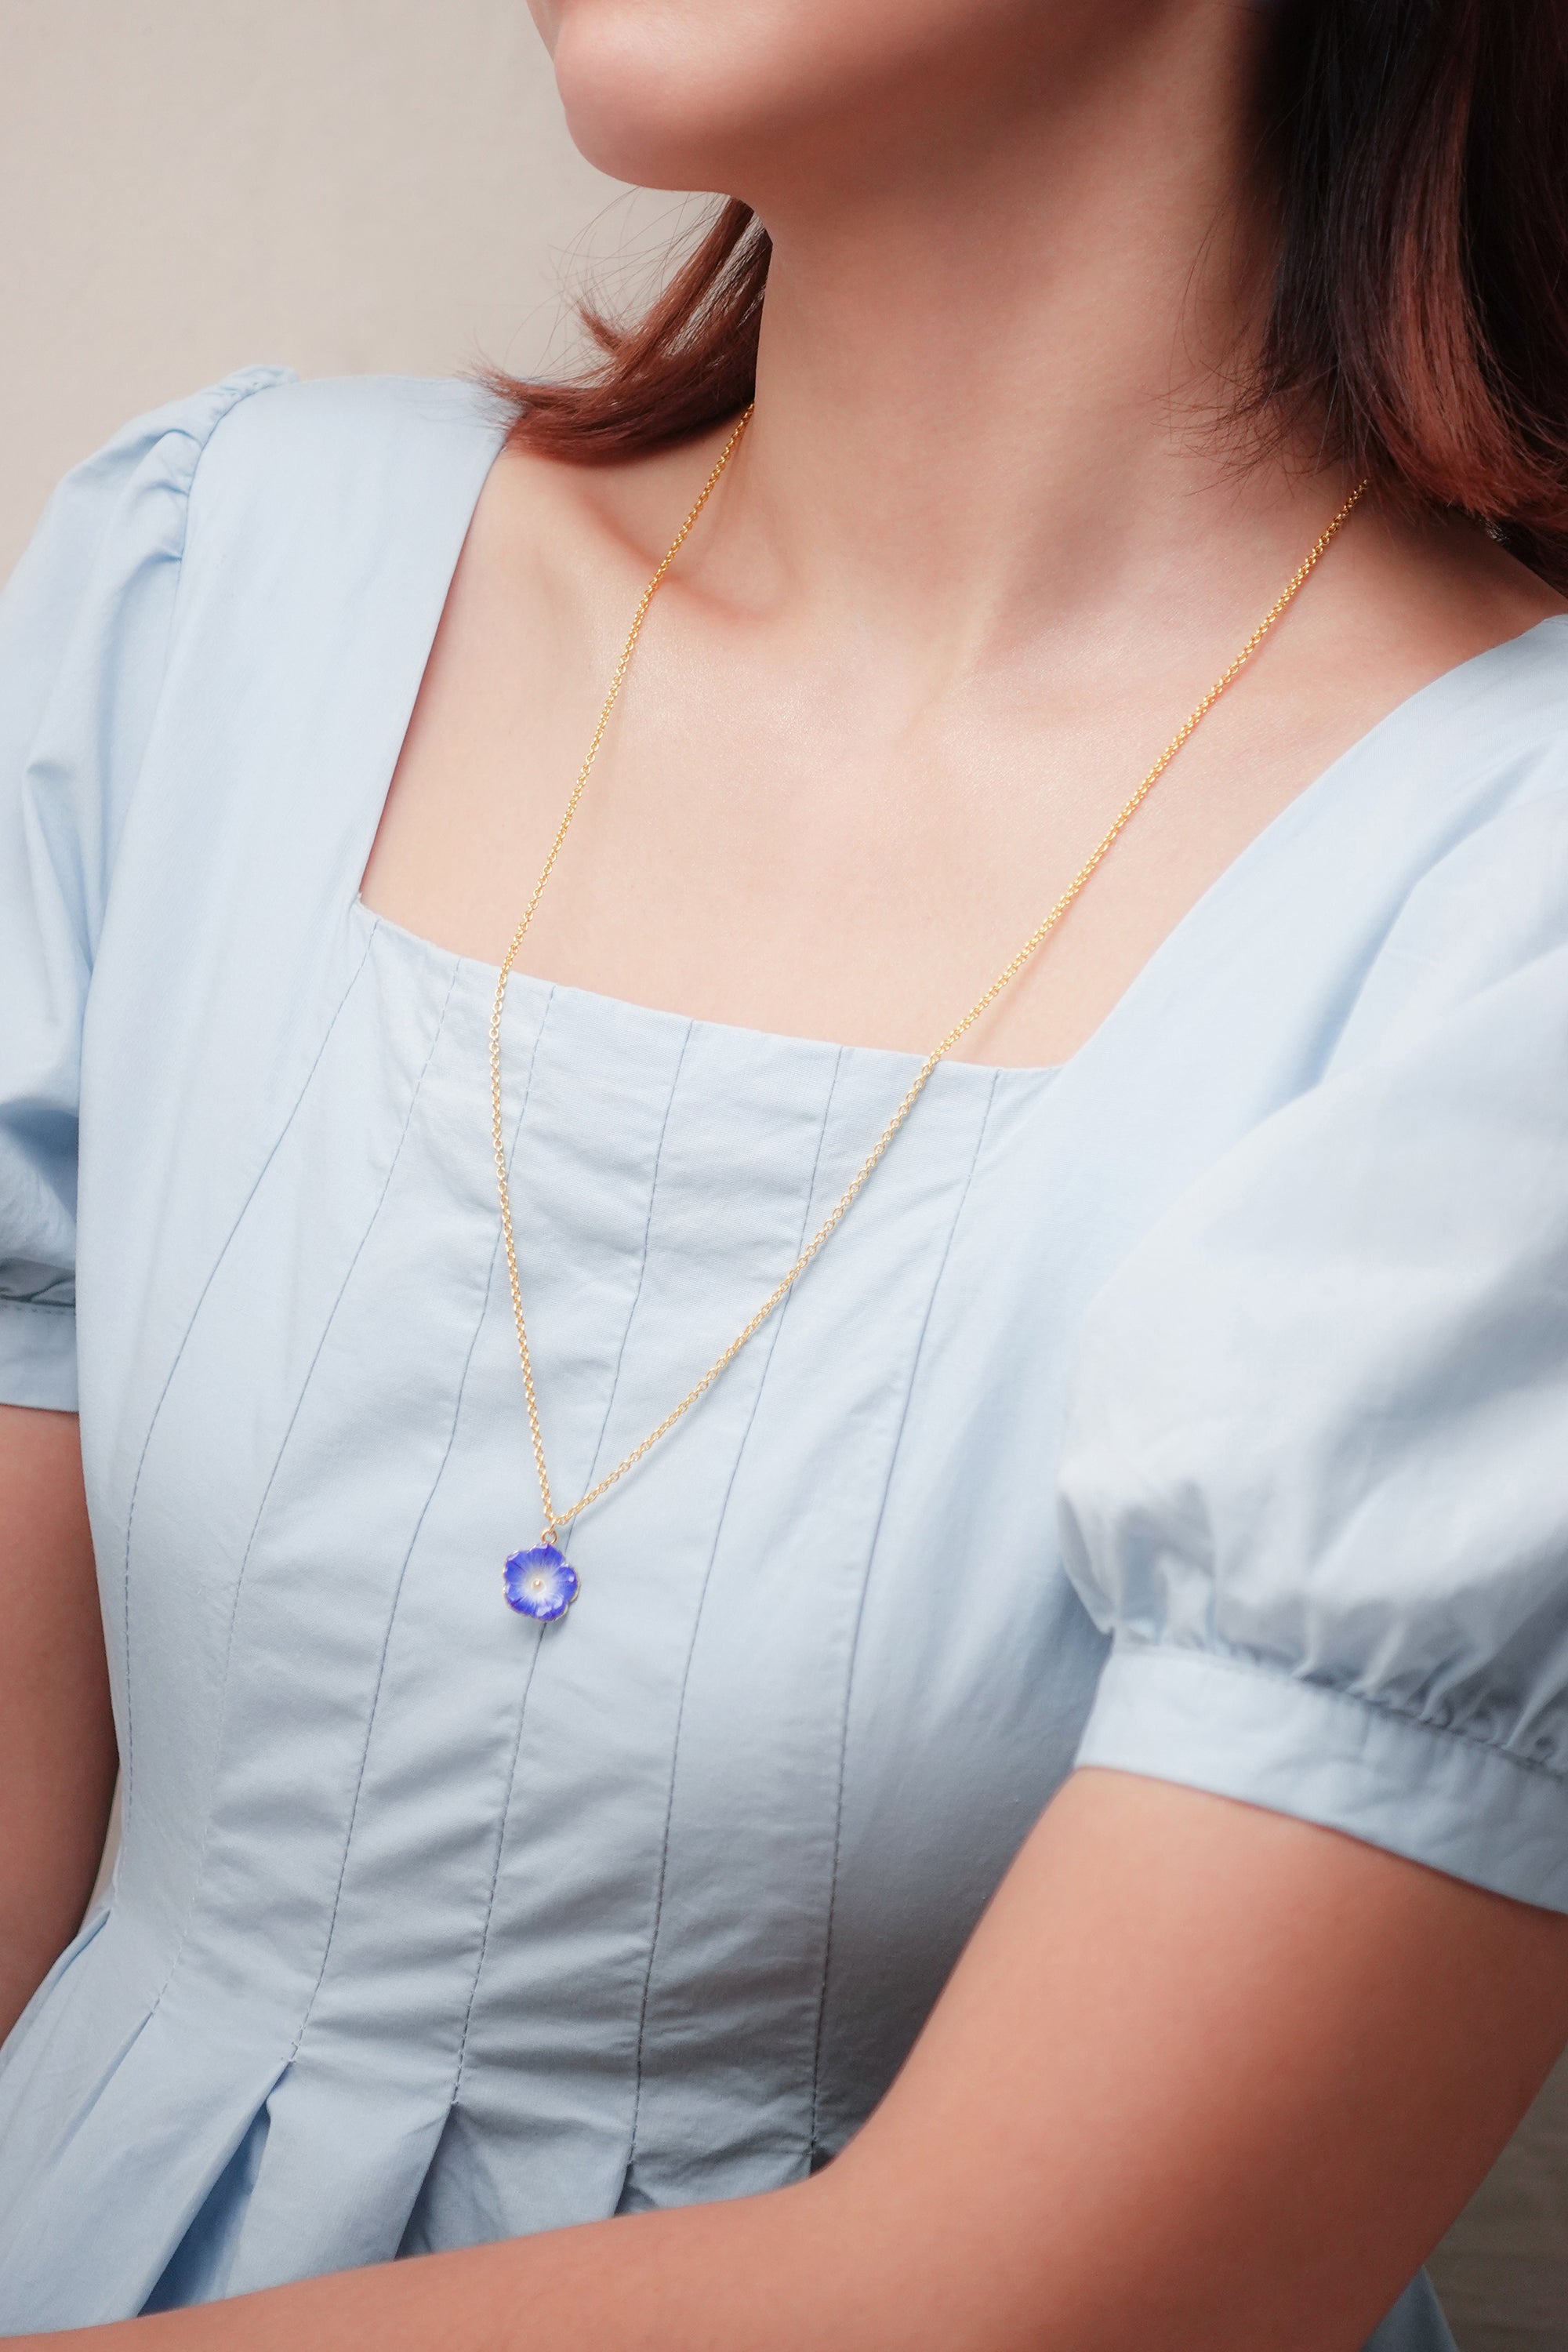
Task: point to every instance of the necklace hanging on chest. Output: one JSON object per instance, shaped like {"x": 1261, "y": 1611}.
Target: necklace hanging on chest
{"x": 540, "y": 1581}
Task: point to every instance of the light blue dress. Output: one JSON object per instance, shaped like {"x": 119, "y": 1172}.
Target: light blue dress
{"x": 1200, "y": 1408}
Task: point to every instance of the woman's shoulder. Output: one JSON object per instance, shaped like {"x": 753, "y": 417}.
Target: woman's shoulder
{"x": 331, "y": 437}
{"x": 234, "y": 525}
{"x": 170, "y": 437}
{"x": 301, "y": 460}
{"x": 312, "y": 427}
{"x": 261, "y": 455}
{"x": 378, "y": 486}
{"x": 263, "y": 425}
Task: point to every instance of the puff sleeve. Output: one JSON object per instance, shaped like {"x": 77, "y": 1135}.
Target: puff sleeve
{"x": 84, "y": 625}
{"x": 1315, "y": 1475}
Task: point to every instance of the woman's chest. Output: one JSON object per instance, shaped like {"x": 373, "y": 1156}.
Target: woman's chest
{"x": 824, "y": 1653}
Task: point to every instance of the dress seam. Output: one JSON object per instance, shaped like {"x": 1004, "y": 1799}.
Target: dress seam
{"x": 814, "y": 2142}
{"x": 276, "y": 1461}
{"x": 697, "y": 1624}
{"x": 331, "y": 1319}
{"x": 178, "y": 1358}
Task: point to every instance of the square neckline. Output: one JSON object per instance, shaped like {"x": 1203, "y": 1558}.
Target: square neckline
{"x": 1301, "y": 812}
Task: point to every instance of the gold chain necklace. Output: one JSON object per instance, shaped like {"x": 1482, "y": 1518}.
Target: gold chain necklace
{"x": 538, "y": 1581}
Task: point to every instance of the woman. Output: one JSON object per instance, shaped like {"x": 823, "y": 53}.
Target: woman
{"x": 1179, "y": 1401}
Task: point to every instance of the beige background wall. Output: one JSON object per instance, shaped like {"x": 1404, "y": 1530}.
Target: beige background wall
{"x": 351, "y": 184}
{"x": 340, "y": 185}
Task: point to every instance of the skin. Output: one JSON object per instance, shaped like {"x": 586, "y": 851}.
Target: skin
{"x": 58, "y": 1756}
{"x": 1207, "y": 2077}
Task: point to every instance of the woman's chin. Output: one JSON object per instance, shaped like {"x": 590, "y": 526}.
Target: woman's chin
{"x": 650, "y": 102}
{"x": 634, "y": 109}
{"x": 623, "y": 142}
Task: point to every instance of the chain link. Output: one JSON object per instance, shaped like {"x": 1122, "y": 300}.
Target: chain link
{"x": 558, "y": 1519}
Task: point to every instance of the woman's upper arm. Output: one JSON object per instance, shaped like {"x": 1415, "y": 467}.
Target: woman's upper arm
{"x": 56, "y": 1735}
{"x": 1207, "y": 2077}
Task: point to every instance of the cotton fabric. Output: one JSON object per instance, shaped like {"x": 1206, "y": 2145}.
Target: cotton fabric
{"x": 1195, "y": 1409}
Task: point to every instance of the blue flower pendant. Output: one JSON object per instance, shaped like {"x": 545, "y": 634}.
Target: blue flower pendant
{"x": 540, "y": 1583}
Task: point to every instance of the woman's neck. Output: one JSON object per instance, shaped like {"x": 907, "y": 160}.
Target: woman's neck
{"x": 990, "y": 384}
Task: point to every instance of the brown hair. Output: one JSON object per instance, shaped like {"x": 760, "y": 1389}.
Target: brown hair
{"x": 1419, "y": 314}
